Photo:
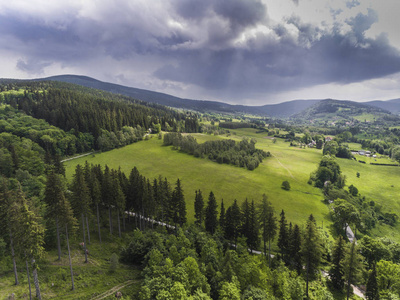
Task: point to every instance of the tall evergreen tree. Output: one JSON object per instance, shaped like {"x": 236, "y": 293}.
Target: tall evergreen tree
{"x": 245, "y": 229}
{"x": 268, "y": 224}
{"x": 253, "y": 233}
{"x": 53, "y": 194}
{"x": 311, "y": 250}
{"x": 353, "y": 267}
{"x": 295, "y": 249}
{"x": 178, "y": 205}
{"x": 336, "y": 273}
{"x": 222, "y": 216}
{"x": 372, "y": 292}
{"x": 283, "y": 237}
{"x": 233, "y": 222}
{"x": 7, "y": 216}
{"x": 80, "y": 200}
{"x": 211, "y": 214}
{"x": 199, "y": 208}
{"x": 29, "y": 235}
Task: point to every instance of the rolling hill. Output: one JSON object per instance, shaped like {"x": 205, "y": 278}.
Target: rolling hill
{"x": 294, "y": 108}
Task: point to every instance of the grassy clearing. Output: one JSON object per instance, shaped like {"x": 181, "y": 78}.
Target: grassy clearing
{"x": 377, "y": 183}
{"x": 91, "y": 279}
{"x": 228, "y": 182}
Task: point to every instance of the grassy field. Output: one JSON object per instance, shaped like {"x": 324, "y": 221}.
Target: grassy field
{"x": 228, "y": 182}
{"x": 378, "y": 183}
{"x": 91, "y": 279}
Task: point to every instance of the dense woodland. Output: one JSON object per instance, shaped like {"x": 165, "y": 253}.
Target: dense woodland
{"x": 225, "y": 254}
{"x": 242, "y": 154}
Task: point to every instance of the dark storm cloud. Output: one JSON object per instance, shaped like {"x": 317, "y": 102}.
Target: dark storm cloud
{"x": 205, "y": 43}
{"x": 314, "y": 57}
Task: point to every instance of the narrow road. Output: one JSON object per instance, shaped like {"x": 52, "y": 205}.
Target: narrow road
{"x": 82, "y": 155}
{"x": 113, "y": 290}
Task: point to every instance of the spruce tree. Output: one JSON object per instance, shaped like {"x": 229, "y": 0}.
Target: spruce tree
{"x": 211, "y": 214}
{"x": 295, "y": 249}
{"x": 253, "y": 233}
{"x": 372, "y": 292}
{"x": 268, "y": 225}
{"x": 222, "y": 216}
{"x": 6, "y": 221}
{"x": 29, "y": 235}
{"x": 80, "y": 200}
{"x": 233, "y": 222}
{"x": 311, "y": 250}
{"x": 353, "y": 267}
{"x": 199, "y": 208}
{"x": 336, "y": 273}
{"x": 178, "y": 205}
{"x": 283, "y": 237}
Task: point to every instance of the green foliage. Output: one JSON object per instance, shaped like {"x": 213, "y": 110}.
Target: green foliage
{"x": 113, "y": 262}
{"x": 286, "y": 185}
{"x": 211, "y": 214}
{"x": 242, "y": 154}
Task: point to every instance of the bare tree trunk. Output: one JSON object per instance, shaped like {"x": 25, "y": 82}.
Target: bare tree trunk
{"x": 119, "y": 224}
{"x": 307, "y": 278}
{"x": 88, "y": 231}
{"x": 29, "y": 280}
{"x": 69, "y": 257}
{"x": 58, "y": 240}
{"x": 110, "y": 218}
{"x": 36, "y": 280}
{"x": 13, "y": 259}
{"x": 98, "y": 221}
{"x": 84, "y": 238}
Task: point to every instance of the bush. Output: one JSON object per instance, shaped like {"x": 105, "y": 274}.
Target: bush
{"x": 113, "y": 262}
{"x": 286, "y": 185}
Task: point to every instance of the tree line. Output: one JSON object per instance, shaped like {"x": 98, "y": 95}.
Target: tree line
{"x": 81, "y": 110}
{"x": 242, "y": 154}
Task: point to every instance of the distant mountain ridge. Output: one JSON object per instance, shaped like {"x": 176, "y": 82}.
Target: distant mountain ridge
{"x": 280, "y": 110}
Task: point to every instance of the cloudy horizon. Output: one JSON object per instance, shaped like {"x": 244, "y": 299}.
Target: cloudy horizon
{"x": 250, "y": 52}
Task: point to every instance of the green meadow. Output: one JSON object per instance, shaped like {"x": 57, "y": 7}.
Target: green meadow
{"x": 377, "y": 183}
{"x": 226, "y": 181}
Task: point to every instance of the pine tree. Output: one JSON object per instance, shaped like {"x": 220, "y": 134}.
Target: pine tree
{"x": 253, "y": 234}
{"x": 336, "y": 272}
{"x": 372, "y": 292}
{"x": 268, "y": 224}
{"x": 353, "y": 267}
{"x": 295, "y": 249}
{"x": 6, "y": 221}
{"x": 233, "y": 222}
{"x": 283, "y": 237}
{"x": 53, "y": 193}
{"x": 222, "y": 216}
{"x": 178, "y": 205}
{"x": 80, "y": 200}
{"x": 211, "y": 214}
{"x": 106, "y": 192}
{"x": 245, "y": 229}
{"x": 119, "y": 199}
{"x": 29, "y": 235}
{"x": 199, "y": 208}
{"x": 96, "y": 200}
{"x": 311, "y": 250}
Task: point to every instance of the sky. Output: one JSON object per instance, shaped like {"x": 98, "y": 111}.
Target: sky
{"x": 250, "y": 52}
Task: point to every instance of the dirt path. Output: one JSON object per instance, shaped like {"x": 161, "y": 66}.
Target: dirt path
{"x": 113, "y": 290}
{"x": 71, "y": 158}
{"x": 282, "y": 165}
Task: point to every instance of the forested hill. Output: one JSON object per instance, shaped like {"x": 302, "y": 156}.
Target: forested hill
{"x": 110, "y": 120}
{"x": 334, "y": 110}
{"x": 281, "y": 110}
